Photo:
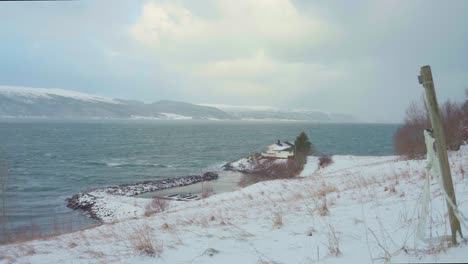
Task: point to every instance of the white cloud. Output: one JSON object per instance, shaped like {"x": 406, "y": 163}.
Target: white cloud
{"x": 239, "y": 27}
{"x": 262, "y": 75}
{"x": 166, "y": 24}
{"x": 233, "y": 53}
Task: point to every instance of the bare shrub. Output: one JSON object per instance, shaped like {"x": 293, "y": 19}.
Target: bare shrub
{"x": 409, "y": 140}
{"x": 452, "y": 115}
{"x": 143, "y": 243}
{"x": 157, "y": 205}
{"x": 271, "y": 169}
{"x": 325, "y": 161}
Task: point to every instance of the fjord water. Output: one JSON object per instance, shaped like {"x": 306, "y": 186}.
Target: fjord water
{"x": 49, "y": 161}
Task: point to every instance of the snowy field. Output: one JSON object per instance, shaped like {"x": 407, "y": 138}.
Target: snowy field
{"x": 357, "y": 210}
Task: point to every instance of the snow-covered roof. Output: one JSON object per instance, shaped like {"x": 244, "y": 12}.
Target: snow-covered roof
{"x": 280, "y": 146}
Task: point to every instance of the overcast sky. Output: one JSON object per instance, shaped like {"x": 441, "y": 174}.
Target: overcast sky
{"x": 356, "y": 57}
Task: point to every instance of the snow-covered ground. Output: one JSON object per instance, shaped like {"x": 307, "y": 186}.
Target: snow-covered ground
{"x": 357, "y": 210}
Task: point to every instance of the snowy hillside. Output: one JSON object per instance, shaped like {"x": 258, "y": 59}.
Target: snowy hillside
{"x": 31, "y": 94}
{"x": 27, "y": 102}
{"x": 357, "y": 210}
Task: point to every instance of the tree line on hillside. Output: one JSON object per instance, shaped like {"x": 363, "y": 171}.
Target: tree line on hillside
{"x": 409, "y": 138}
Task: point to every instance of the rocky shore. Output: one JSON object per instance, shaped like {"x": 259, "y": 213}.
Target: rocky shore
{"x": 90, "y": 201}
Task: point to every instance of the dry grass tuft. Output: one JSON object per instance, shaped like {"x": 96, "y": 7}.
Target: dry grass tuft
{"x": 95, "y": 254}
{"x": 358, "y": 183}
{"x": 462, "y": 172}
{"x": 72, "y": 245}
{"x": 333, "y": 243}
{"x": 323, "y": 208}
{"x": 297, "y": 197}
{"x": 166, "y": 226}
{"x": 157, "y": 205}
{"x": 391, "y": 188}
{"x": 27, "y": 250}
{"x": 277, "y": 220}
{"x": 143, "y": 244}
{"x": 326, "y": 189}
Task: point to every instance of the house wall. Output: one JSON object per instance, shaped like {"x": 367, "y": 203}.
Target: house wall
{"x": 278, "y": 154}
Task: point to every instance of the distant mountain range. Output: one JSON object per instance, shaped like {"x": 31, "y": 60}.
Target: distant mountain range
{"x": 276, "y": 114}
{"x": 23, "y": 102}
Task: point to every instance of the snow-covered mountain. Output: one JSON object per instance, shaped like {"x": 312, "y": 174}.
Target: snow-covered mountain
{"x": 57, "y": 103}
{"x": 277, "y": 114}
{"x": 28, "y": 102}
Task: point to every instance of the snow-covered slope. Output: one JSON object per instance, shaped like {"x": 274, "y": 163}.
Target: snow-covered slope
{"x": 357, "y": 210}
{"x": 30, "y": 94}
{"x": 56, "y": 103}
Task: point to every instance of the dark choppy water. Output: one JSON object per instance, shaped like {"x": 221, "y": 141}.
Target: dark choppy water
{"x": 51, "y": 160}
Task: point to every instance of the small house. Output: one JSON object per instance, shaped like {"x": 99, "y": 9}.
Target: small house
{"x": 279, "y": 150}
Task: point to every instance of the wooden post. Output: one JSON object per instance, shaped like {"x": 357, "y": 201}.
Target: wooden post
{"x": 438, "y": 131}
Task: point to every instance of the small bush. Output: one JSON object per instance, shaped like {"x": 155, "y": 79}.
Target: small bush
{"x": 325, "y": 161}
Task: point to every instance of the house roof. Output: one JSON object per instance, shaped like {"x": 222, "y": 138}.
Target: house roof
{"x": 280, "y": 146}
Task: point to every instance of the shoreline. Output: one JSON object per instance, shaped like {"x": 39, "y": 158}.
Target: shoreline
{"x": 104, "y": 204}
{"x": 88, "y": 202}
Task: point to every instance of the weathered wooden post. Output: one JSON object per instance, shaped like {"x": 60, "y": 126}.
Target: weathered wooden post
{"x": 438, "y": 131}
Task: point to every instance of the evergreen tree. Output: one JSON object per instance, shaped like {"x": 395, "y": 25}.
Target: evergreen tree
{"x": 303, "y": 147}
